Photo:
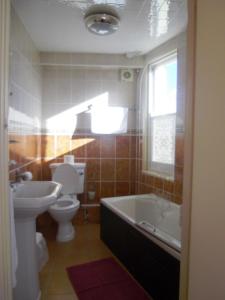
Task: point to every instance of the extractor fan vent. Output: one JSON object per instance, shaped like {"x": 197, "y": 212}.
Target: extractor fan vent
{"x": 127, "y": 75}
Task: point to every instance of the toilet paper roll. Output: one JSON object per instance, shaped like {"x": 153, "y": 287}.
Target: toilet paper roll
{"x": 69, "y": 159}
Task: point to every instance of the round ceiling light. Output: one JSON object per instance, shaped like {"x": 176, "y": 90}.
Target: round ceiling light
{"x": 102, "y": 23}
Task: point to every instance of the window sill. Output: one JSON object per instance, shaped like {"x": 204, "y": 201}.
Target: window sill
{"x": 155, "y": 174}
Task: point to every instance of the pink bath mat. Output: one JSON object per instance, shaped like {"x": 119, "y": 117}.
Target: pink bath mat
{"x": 104, "y": 279}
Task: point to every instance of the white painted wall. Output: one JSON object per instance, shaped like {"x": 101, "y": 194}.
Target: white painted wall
{"x": 207, "y": 240}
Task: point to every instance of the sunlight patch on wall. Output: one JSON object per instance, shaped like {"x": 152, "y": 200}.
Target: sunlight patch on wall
{"x": 60, "y": 148}
{"x": 66, "y": 121}
{"x": 108, "y": 120}
{"x": 105, "y": 119}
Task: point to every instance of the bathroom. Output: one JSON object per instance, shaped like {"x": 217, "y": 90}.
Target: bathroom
{"x": 69, "y": 101}
{"x": 63, "y": 90}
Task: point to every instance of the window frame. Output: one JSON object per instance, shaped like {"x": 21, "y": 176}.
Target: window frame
{"x": 158, "y": 169}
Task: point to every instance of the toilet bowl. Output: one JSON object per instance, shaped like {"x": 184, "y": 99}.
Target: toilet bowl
{"x": 62, "y": 212}
{"x": 67, "y": 204}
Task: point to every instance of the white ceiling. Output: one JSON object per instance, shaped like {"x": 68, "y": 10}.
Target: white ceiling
{"x": 57, "y": 25}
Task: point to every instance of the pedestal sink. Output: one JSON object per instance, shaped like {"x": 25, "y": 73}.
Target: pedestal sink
{"x": 30, "y": 199}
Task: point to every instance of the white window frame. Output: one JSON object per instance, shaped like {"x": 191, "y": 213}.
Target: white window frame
{"x": 163, "y": 170}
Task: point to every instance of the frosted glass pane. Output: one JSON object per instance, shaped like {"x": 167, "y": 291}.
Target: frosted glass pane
{"x": 163, "y": 139}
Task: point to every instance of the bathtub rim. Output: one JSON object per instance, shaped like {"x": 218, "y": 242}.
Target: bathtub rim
{"x": 108, "y": 202}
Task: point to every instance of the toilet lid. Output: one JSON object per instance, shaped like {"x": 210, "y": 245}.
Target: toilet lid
{"x": 68, "y": 176}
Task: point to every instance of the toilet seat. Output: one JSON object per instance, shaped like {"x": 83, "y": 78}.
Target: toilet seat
{"x": 65, "y": 203}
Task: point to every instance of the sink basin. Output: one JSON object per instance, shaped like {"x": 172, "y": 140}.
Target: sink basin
{"x": 34, "y": 197}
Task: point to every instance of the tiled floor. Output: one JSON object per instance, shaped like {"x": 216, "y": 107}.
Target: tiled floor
{"x": 86, "y": 247}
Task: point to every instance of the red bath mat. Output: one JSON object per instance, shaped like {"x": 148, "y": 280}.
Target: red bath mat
{"x": 104, "y": 279}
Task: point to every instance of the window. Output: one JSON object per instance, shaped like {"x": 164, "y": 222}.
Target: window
{"x": 161, "y": 119}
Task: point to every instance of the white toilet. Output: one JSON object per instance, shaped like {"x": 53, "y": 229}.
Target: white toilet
{"x": 71, "y": 176}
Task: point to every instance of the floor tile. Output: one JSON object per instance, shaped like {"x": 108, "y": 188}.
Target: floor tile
{"x": 86, "y": 247}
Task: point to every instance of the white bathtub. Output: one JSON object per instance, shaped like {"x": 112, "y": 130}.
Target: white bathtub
{"x": 155, "y": 217}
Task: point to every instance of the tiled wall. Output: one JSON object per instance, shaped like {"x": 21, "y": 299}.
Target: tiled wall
{"x": 67, "y": 93}
{"x": 171, "y": 189}
{"x": 111, "y": 165}
{"x": 110, "y": 161}
{"x": 110, "y": 158}
{"x": 24, "y": 100}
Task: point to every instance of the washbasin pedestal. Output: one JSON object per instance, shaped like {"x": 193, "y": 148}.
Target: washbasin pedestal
{"x": 27, "y": 277}
{"x": 30, "y": 199}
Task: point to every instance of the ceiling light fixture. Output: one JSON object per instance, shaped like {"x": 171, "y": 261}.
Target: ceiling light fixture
{"x": 102, "y": 23}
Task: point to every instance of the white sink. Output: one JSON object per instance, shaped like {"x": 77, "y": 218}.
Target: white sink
{"x": 32, "y": 198}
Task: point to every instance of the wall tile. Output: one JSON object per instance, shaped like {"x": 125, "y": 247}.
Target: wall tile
{"x": 179, "y": 149}
{"x": 93, "y": 148}
{"x": 108, "y": 169}
{"x": 48, "y": 147}
{"x": 178, "y": 188}
{"x": 122, "y": 169}
{"x": 31, "y": 147}
{"x": 122, "y": 188}
{"x": 132, "y": 169}
{"x": 122, "y": 146}
{"x": 46, "y": 171}
{"x": 63, "y": 145}
{"x": 36, "y": 169}
{"x": 168, "y": 186}
{"x": 144, "y": 189}
{"x": 107, "y": 146}
{"x": 107, "y": 189}
{"x": 179, "y": 174}
{"x": 158, "y": 183}
{"x": 93, "y": 74}
{"x": 133, "y": 146}
{"x": 133, "y": 187}
{"x": 93, "y": 169}
{"x": 78, "y": 146}
{"x": 93, "y": 186}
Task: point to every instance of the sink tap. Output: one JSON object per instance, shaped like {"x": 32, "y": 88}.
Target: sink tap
{"x": 25, "y": 176}
{"x": 19, "y": 176}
